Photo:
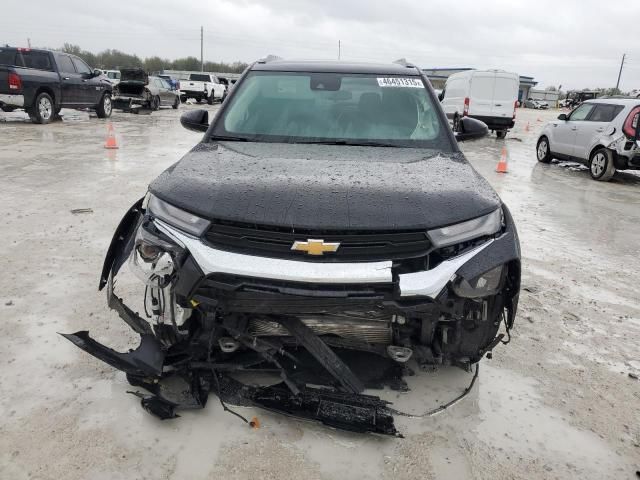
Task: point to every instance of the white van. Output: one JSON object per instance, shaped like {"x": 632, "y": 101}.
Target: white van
{"x": 487, "y": 95}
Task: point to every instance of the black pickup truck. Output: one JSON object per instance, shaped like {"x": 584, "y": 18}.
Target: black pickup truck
{"x": 42, "y": 82}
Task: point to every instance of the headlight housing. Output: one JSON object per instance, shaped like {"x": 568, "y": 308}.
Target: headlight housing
{"x": 176, "y": 217}
{"x": 461, "y": 232}
{"x": 483, "y": 285}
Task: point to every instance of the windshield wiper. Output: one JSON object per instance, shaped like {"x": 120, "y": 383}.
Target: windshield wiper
{"x": 349, "y": 143}
{"x": 228, "y": 138}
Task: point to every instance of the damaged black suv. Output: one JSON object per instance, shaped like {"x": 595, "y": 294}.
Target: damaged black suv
{"x": 327, "y": 229}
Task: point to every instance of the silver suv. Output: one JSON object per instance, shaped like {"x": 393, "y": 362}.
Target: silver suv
{"x": 600, "y": 133}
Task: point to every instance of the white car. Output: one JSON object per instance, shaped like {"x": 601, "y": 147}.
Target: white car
{"x": 490, "y": 96}
{"x": 113, "y": 76}
{"x": 602, "y": 133}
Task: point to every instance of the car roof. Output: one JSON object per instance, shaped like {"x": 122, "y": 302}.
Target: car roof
{"x": 335, "y": 67}
{"x": 615, "y": 101}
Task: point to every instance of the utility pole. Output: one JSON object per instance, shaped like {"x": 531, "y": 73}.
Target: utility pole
{"x": 201, "y": 48}
{"x": 620, "y": 72}
{"x": 29, "y": 42}
{"x": 339, "y": 48}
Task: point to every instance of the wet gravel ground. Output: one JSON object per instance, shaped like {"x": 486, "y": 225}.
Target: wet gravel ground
{"x": 561, "y": 401}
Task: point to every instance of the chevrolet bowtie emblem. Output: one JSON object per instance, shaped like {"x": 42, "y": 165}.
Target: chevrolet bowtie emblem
{"x": 314, "y": 247}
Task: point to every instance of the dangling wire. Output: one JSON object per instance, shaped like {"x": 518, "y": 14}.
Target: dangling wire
{"x": 446, "y": 405}
{"x": 506, "y": 326}
{"x": 215, "y": 375}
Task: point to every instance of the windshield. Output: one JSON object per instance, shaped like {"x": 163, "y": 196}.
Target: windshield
{"x": 358, "y": 109}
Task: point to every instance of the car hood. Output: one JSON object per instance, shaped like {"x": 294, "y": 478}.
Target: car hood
{"x": 326, "y": 187}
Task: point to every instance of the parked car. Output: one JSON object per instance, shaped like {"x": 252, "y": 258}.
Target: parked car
{"x": 327, "y": 215}
{"x": 42, "y": 82}
{"x": 599, "y": 133}
{"x": 137, "y": 89}
{"x": 112, "y": 75}
{"x": 575, "y": 98}
{"x": 536, "y": 104}
{"x": 487, "y": 95}
{"x": 202, "y": 86}
{"x": 173, "y": 82}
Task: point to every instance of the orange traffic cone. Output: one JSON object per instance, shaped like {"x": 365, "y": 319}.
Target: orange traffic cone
{"x": 502, "y": 164}
{"x": 111, "y": 138}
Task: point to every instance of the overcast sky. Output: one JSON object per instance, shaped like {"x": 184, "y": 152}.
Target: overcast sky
{"x": 576, "y": 43}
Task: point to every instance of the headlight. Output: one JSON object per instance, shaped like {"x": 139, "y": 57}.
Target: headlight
{"x": 461, "y": 232}
{"x": 185, "y": 221}
{"x": 482, "y": 286}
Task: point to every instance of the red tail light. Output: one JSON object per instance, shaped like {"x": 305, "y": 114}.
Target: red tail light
{"x": 15, "y": 82}
{"x": 631, "y": 123}
{"x": 515, "y": 107}
{"x": 465, "y": 112}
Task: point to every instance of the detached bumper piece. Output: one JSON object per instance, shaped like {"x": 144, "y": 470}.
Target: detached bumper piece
{"x": 188, "y": 388}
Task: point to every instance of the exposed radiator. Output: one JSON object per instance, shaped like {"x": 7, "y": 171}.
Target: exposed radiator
{"x": 370, "y": 327}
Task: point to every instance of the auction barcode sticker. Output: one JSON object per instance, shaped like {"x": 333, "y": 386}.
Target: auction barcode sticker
{"x": 400, "y": 82}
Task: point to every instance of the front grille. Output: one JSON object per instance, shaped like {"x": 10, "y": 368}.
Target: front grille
{"x": 355, "y": 245}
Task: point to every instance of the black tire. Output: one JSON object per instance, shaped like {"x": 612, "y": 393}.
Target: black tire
{"x": 105, "y": 107}
{"x": 210, "y": 98}
{"x": 176, "y": 103}
{"x": 501, "y": 133}
{"x": 601, "y": 165}
{"x": 155, "y": 103}
{"x": 43, "y": 109}
{"x": 543, "y": 150}
{"x": 456, "y": 123}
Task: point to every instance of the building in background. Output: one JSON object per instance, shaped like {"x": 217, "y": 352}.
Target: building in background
{"x": 551, "y": 97}
{"x": 438, "y": 77}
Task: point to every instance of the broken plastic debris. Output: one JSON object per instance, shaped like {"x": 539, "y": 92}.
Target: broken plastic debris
{"x": 75, "y": 211}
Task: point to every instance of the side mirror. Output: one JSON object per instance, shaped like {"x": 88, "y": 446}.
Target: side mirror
{"x": 563, "y": 116}
{"x": 97, "y": 72}
{"x": 195, "y": 120}
{"x": 470, "y": 128}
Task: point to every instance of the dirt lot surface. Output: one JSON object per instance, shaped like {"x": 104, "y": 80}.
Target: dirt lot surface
{"x": 561, "y": 401}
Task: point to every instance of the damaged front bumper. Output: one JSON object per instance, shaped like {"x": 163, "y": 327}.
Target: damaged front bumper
{"x": 343, "y": 326}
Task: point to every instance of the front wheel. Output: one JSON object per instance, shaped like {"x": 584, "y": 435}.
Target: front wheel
{"x": 501, "y": 133}
{"x": 601, "y": 165}
{"x": 210, "y": 98}
{"x": 43, "y": 110}
{"x": 176, "y": 103}
{"x": 543, "y": 151}
{"x": 105, "y": 107}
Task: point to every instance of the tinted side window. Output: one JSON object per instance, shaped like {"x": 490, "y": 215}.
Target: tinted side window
{"x": 64, "y": 64}
{"x": 29, "y": 59}
{"x": 581, "y": 112}
{"x": 81, "y": 67}
{"x": 605, "y": 113}
{"x": 7, "y": 57}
